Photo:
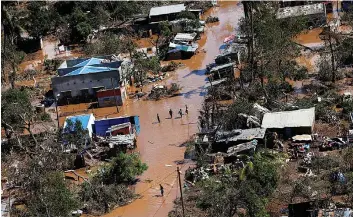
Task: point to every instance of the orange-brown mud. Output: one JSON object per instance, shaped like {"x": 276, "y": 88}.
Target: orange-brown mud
{"x": 146, "y": 42}
{"x": 159, "y": 143}
{"x": 309, "y": 37}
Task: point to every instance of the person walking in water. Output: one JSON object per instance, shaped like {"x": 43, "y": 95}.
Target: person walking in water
{"x": 186, "y": 109}
{"x": 159, "y": 120}
{"x": 181, "y": 113}
{"x": 171, "y": 113}
{"x": 161, "y": 189}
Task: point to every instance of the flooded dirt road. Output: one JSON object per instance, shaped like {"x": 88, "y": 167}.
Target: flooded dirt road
{"x": 159, "y": 143}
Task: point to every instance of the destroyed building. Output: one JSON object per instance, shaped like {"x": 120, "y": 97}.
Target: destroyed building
{"x": 290, "y": 123}
{"x": 108, "y": 126}
{"x": 222, "y": 71}
{"x": 182, "y": 46}
{"x": 221, "y": 141}
{"x": 232, "y": 53}
{"x": 81, "y": 79}
{"x": 315, "y": 12}
{"x": 226, "y": 139}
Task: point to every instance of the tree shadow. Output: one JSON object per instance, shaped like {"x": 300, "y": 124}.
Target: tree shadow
{"x": 199, "y": 72}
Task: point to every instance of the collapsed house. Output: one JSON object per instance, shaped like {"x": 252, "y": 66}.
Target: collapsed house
{"x": 232, "y": 53}
{"x": 290, "y": 123}
{"x": 225, "y": 139}
{"x": 183, "y": 46}
{"x": 221, "y": 71}
{"x": 221, "y": 141}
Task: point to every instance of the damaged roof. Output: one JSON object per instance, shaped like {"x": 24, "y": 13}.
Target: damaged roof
{"x": 219, "y": 67}
{"x": 300, "y": 10}
{"x": 168, "y": 9}
{"x": 240, "y": 135}
{"x": 185, "y": 37}
{"x": 296, "y": 118}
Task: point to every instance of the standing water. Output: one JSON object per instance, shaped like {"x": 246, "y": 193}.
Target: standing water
{"x": 159, "y": 143}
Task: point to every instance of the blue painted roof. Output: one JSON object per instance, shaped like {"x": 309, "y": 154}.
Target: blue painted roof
{"x": 89, "y": 62}
{"x": 84, "y": 119}
{"x": 90, "y": 69}
{"x": 101, "y": 126}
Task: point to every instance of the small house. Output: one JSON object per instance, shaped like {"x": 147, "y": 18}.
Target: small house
{"x": 86, "y": 120}
{"x": 169, "y": 13}
{"x": 104, "y": 127}
{"x": 182, "y": 46}
{"x": 222, "y": 71}
{"x": 290, "y": 123}
{"x": 81, "y": 79}
{"x": 165, "y": 13}
{"x": 111, "y": 97}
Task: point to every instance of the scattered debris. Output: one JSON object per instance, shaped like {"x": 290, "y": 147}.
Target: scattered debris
{"x": 211, "y": 19}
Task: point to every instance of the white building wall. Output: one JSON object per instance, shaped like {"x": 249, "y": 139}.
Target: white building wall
{"x": 90, "y": 128}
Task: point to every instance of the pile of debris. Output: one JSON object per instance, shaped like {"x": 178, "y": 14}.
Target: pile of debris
{"x": 211, "y": 19}
{"x": 161, "y": 91}
{"x": 158, "y": 77}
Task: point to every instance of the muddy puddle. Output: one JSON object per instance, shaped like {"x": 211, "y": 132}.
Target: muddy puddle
{"x": 160, "y": 144}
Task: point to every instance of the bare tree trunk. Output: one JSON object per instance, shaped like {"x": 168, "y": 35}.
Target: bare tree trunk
{"x": 332, "y": 61}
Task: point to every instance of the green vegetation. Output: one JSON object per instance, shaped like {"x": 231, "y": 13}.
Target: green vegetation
{"x": 123, "y": 169}
{"x": 17, "y": 113}
{"x": 187, "y": 15}
{"x": 35, "y": 164}
{"x": 115, "y": 176}
{"x": 227, "y": 194}
{"x": 52, "y": 197}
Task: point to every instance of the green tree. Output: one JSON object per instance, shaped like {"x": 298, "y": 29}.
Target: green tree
{"x": 270, "y": 43}
{"x": 163, "y": 38}
{"x": 52, "y": 197}
{"x": 123, "y": 169}
{"x": 102, "y": 198}
{"x": 74, "y": 134}
{"x": 187, "y": 15}
{"x": 11, "y": 58}
{"x": 16, "y": 113}
{"x": 80, "y": 25}
{"x": 40, "y": 19}
{"x": 108, "y": 44}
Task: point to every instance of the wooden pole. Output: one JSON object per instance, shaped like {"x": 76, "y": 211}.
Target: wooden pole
{"x": 181, "y": 192}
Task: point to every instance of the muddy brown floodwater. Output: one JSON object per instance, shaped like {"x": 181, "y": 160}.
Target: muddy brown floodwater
{"x": 159, "y": 143}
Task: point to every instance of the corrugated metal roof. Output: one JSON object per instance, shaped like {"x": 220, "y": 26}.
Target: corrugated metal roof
{"x": 235, "y": 135}
{"x": 84, "y": 119}
{"x": 297, "y": 118}
{"x": 169, "y": 9}
{"x": 90, "y": 69}
{"x": 221, "y": 67}
{"x": 185, "y": 36}
{"x": 300, "y": 10}
{"x": 89, "y": 62}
